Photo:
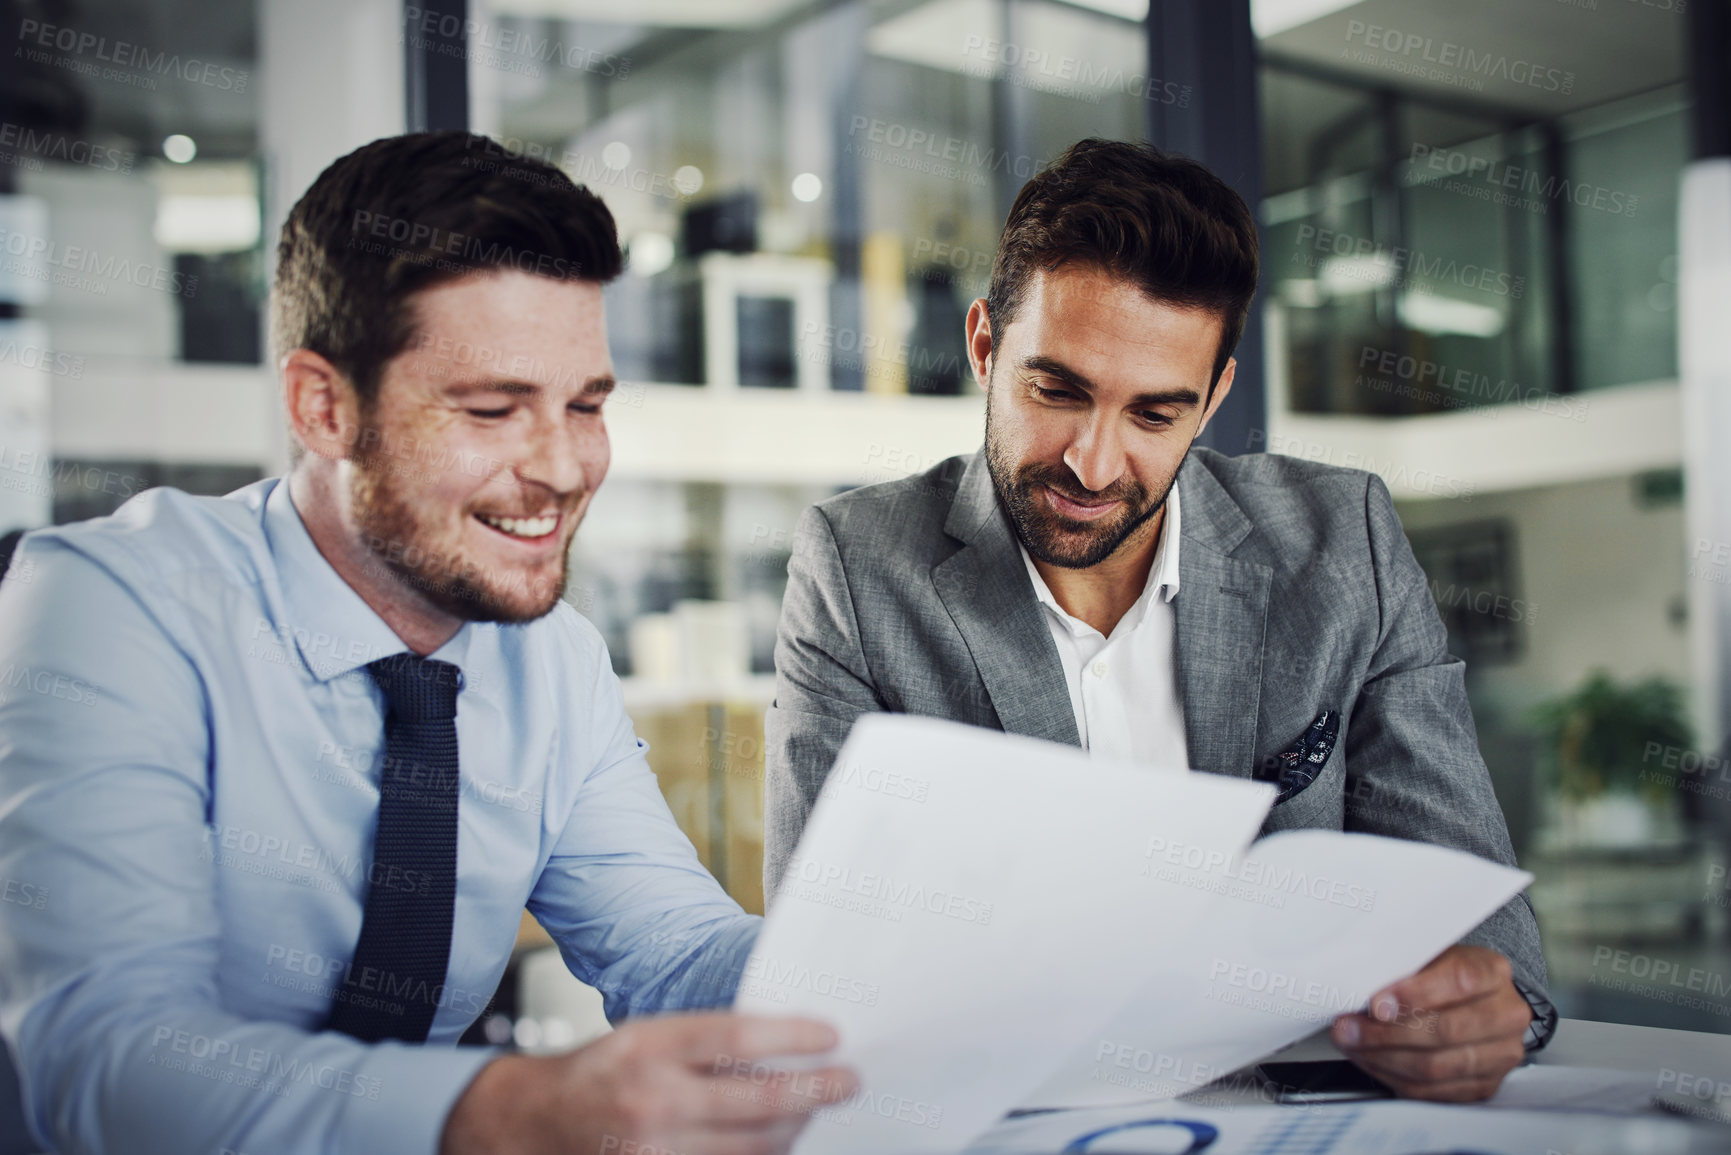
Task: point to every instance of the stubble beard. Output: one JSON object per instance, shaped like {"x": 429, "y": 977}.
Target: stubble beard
{"x": 1048, "y": 536}
{"x": 399, "y": 543}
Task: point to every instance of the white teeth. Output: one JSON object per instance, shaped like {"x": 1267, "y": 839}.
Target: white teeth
{"x": 522, "y": 526}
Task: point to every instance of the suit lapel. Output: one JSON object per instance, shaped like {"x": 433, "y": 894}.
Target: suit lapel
{"x": 1222, "y": 610}
{"x": 986, "y": 590}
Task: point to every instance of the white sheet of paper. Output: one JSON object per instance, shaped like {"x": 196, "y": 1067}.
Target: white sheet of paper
{"x": 1307, "y": 925}
{"x": 1542, "y": 1088}
{"x": 1379, "y": 1128}
{"x": 964, "y": 905}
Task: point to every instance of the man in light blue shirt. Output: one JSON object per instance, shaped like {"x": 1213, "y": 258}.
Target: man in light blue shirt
{"x": 245, "y": 868}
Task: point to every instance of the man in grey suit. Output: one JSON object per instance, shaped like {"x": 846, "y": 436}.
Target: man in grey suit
{"x": 1091, "y": 578}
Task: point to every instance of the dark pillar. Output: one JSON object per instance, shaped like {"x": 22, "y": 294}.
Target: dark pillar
{"x": 1704, "y": 365}
{"x": 1560, "y": 301}
{"x": 436, "y": 65}
{"x": 1208, "y": 45}
{"x": 848, "y": 29}
{"x": 1012, "y": 117}
{"x": 1709, "y": 48}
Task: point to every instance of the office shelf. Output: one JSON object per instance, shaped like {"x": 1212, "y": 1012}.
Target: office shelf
{"x": 691, "y": 433}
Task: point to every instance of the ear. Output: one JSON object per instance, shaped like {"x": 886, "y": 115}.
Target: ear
{"x": 323, "y": 408}
{"x": 1221, "y": 388}
{"x": 979, "y": 334}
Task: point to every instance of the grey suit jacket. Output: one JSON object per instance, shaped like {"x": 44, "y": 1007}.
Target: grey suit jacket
{"x": 1298, "y": 594}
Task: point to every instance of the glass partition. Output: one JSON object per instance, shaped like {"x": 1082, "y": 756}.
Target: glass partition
{"x": 130, "y": 230}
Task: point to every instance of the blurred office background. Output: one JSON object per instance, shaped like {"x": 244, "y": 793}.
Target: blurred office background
{"x": 1473, "y": 283}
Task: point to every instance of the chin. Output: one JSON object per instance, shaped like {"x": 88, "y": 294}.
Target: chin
{"x": 525, "y": 601}
{"x": 475, "y": 594}
{"x": 508, "y": 613}
{"x": 1074, "y": 547}
{"x": 492, "y": 606}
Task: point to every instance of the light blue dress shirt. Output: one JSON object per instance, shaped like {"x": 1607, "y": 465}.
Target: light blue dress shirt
{"x": 189, "y": 749}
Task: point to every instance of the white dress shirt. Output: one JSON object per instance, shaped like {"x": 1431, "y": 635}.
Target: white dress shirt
{"x": 1124, "y": 688}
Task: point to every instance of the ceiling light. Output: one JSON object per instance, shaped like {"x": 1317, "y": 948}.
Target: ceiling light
{"x": 207, "y": 224}
{"x": 651, "y": 253}
{"x": 1441, "y": 316}
{"x": 688, "y": 178}
{"x": 1272, "y": 17}
{"x": 807, "y": 186}
{"x": 1345, "y": 276}
{"x": 666, "y": 13}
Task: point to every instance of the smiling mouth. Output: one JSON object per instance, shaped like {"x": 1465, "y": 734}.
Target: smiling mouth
{"x": 1080, "y": 510}
{"x": 522, "y": 528}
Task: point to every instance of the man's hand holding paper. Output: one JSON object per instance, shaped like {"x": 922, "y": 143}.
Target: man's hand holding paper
{"x": 1449, "y": 1033}
{"x": 689, "y": 1082}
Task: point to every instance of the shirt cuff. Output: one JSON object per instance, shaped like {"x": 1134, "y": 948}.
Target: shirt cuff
{"x": 1544, "y": 1023}
{"x": 417, "y": 1087}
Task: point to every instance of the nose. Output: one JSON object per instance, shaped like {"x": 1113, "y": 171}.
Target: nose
{"x": 564, "y": 457}
{"x": 1096, "y": 455}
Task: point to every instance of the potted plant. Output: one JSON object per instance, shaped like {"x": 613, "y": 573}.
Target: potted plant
{"x": 1597, "y": 753}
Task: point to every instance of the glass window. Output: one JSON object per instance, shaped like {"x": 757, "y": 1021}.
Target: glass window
{"x": 1434, "y": 241}
{"x": 1622, "y": 237}
{"x": 1510, "y": 257}
{"x": 130, "y": 230}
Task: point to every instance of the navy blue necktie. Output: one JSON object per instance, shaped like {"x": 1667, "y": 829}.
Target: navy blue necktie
{"x": 396, "y": 981}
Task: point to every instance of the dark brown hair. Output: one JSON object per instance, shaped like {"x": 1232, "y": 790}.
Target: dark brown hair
{"x": 406, "y": 213}
{"x": 1162, "y": 222}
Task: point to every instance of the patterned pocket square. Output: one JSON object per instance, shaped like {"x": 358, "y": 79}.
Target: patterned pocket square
{"x": 1297, "y": 766}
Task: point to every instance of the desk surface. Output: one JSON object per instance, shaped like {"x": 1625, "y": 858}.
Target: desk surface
{"x": 1583, "y": 1043}
{"x": 1654, "y": 1058}
{"x": 1638, "y": 1062}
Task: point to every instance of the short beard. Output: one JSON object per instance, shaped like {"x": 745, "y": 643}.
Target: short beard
{"x": 393, "y": 534}
{"x": 1041, "y": 530}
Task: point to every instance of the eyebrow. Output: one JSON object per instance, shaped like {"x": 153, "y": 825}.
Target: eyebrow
{"x": 1053, "y": 367}
{"x": 602, "y": 385}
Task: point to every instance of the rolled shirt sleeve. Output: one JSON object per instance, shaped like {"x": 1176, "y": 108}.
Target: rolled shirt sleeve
{"x": 624, "y": 894}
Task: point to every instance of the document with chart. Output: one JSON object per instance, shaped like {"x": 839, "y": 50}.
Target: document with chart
{"x": 1391, "y": 1128}
{"x": 993, "y": 921}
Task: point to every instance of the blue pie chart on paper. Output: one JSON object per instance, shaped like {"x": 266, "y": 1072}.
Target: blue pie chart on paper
{"x": 1147, "y": 1137}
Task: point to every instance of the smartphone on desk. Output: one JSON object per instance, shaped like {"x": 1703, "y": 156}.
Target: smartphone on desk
{"x": 1329, "y": 1081}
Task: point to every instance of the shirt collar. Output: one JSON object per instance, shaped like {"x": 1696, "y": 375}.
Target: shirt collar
{"x": 1162, "y": 575}
{"x": 332, "y": 627}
